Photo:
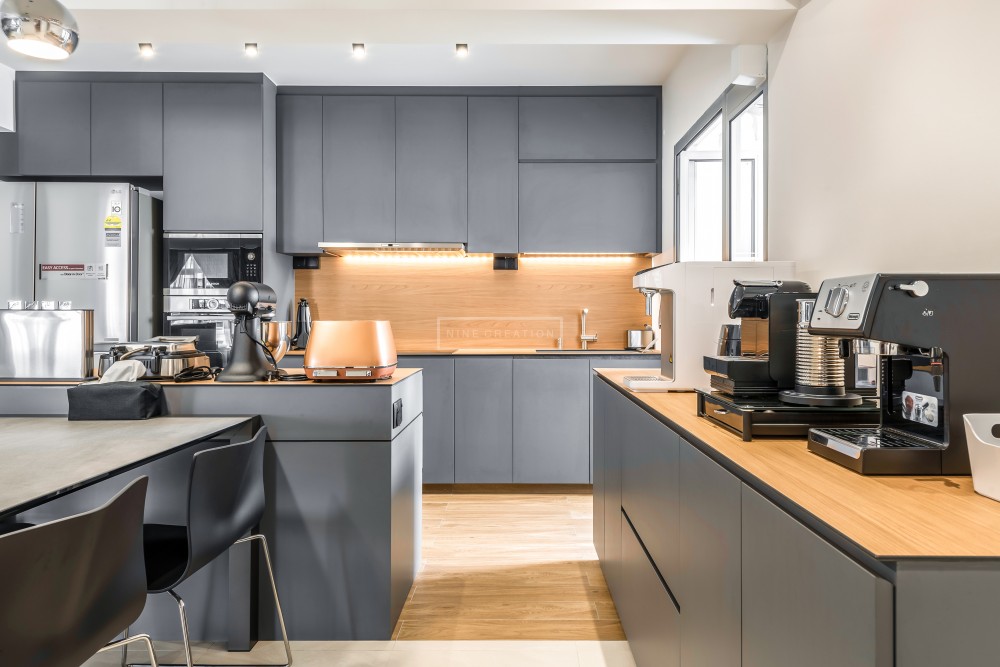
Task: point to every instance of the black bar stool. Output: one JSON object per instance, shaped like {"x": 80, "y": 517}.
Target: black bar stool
{"x": 225, "y": 501}
{"x": 70, "y": 586}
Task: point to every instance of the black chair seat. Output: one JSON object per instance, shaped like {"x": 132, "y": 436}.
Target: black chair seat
{"x": 12, "y": 527}
{"x": 166, "y": 552}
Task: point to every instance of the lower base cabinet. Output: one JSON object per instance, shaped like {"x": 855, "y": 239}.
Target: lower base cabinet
{"x": 649, "y": 617}
{"x": 804, "y": 601}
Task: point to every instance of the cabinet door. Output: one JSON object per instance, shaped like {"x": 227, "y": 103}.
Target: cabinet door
{"x": 359, "y": 169}
{"x": 616, "y": 419}
{"x": 213, "y": 160}
{"x": 300, "y": 173}
{"x": 588, "y": 128}
{"x": 804, "y": 601}
{"x": 53, "y": 128}
{"x": 551, "y": 421}
{"x": 439, "y": 416}
{"x": 126, "y": 129}
{"x": 708, "y": 582}
{"x": 483, "y": 420}
{"x": 587, "y": 207}
{"x": 651, "y": 361}
{"x": 493, "y": 174}
{"x": 650, "y": 468}
{"x": 431, "y": 169}
{"x": 649, "y": 616}
{"x": 599, "y": 391}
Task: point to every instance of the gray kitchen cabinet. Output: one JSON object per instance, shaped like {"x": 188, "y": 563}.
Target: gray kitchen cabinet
{"x": 359, "y": 169}
{"x": 588, "y": 128}
{"x": 493, "y": 174}
{"x": 650, "y": 478}
{"x": 587, "y": 207}
{"x": 805, "y": 602}
{"x": 651, "y": 362}
{"x": 213, "y": 164}
{"x": 439, "y": 416}
{"x": 126, "y": 129}
{"x": 615, "y": 423}
{"x": 551, "y": 428}
{"x": 53, "y": 128}
{"x": 708, "y": 582}
{"x": 484, "y": 420}
{"x": 648, "y": 614}
{"x": 300, "y": 173}
{"x": 431, "y": 169}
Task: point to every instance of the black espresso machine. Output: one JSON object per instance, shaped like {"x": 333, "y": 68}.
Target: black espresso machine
{"x": 933, "y": 334}
{"x": 748, "y": 389}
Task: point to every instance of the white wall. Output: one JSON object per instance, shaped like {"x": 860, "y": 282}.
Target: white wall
{"x": 698, "y": 80}
{"x": 884, "y": 137}
{"x": 6, "y": 99}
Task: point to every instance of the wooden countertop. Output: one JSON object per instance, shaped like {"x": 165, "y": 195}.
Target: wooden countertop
{"x": 889, "y": 517}
{"x": 45, "y": 457}
{"x": 512, "y": 352}
{"x": 398, "y": 376}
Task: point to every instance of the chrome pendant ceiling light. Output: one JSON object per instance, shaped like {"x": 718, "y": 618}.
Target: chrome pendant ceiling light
{"x": 39, "y": 28}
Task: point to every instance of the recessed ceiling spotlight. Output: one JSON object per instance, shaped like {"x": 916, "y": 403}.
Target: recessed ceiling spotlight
{"x": 146, "y": 50}
{"x": 358, "y": 50}
{"x": 462, "y": 50}
{"x": 250, "y": 48}
{"x": 39, "y": 28}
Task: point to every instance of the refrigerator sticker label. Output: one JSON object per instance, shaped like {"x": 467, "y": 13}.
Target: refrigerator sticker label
{"x": 112, "y": 238}
{"x": 919, "y": 408}
{"x": 16, "y": 218}
{"x": 73, "y": 271}
{"x": 113, "y": 222}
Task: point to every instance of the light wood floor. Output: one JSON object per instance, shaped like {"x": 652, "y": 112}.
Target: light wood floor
{"x": 509, "y": 566}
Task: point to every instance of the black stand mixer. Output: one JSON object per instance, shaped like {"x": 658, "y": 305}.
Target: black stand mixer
{"x": 250, "y": 303}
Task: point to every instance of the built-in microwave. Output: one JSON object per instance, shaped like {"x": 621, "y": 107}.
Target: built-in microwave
{"x": 208, "y": 264}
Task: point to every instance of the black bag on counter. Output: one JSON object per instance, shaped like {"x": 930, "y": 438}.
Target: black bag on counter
{"x": 116, "y": 400}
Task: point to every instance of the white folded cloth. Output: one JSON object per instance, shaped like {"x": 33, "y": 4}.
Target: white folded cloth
{"x": 124, "y": 371}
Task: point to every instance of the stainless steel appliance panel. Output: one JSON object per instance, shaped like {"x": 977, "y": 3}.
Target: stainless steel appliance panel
{"x": 83, "y": 253}
{"x": 17, "y": 248}
{"x": 46, "y": 344}
{"x": 214, "y": 332}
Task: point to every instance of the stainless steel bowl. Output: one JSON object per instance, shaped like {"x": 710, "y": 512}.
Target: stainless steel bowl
{"x": 277, "y": 338}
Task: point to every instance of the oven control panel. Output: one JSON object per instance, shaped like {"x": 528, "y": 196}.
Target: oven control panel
{"x": 842, "y": 302}
{"x": 195, "y": 304}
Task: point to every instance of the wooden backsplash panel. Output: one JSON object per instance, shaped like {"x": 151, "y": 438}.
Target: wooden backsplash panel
{"x": 446, "y": 303}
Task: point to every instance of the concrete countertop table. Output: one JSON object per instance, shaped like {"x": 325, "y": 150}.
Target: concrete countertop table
{"x": 46, "y": 457}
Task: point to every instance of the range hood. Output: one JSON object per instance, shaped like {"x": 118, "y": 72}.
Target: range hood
{"x": 341, "y": 249}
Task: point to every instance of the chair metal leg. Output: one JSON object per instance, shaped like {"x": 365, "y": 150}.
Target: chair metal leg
{"x": 274, "y": 590}
{"x": 123, "y": 644}
{"x": 185, "y": 635}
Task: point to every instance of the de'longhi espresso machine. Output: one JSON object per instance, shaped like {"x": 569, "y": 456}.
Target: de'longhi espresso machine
{"x": 933, "y": 334}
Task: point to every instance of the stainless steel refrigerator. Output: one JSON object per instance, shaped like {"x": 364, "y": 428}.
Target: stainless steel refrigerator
{"x": 95, "y": 245}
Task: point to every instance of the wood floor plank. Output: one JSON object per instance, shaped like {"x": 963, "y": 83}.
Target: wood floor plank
{"x": 509, "y": 565}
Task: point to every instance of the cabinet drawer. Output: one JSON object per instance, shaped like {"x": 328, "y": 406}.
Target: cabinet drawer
{"x": 649, "y": 617}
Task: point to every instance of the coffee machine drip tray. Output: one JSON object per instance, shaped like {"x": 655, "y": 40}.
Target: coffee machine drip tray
{"x": 759, "y": 416}
{"x": 876, "y": 451}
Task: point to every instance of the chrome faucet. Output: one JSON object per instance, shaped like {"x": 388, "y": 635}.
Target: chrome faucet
{"x": 584, "y": 336}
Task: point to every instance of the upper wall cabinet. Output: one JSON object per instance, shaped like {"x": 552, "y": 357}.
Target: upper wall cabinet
{"x": 53, "y": 128}
{"x": 126, "y": 129}
{"x": 300, "y": 173}
{"x": 77, "y": 128}
{"x": 213, "y": 164}
{"x": 588, "y": 207}
{"x": 588, "y": 128}
{"x": 359, "y": 169}
{"x": 493, "y": 174}
{"x": 431, "y": 169}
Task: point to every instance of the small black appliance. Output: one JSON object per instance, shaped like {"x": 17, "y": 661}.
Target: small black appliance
{"x": 248, "y": 361}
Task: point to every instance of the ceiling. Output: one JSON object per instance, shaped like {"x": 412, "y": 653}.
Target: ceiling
{"x": 411, "y": 42}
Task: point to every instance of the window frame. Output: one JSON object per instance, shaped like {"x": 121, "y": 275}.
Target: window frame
{"x": 728, "y": 106}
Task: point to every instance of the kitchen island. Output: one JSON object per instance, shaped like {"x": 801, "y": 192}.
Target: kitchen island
{"x": 723, "y": 552}
{"x": 343, "y": 482}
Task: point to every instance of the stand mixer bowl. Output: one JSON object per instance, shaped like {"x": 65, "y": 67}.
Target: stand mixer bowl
{"x": 277, "y": 338}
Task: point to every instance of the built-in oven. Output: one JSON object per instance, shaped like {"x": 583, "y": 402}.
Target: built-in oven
{"x": 213, "y": 331}
{"x": 196, "y": 262}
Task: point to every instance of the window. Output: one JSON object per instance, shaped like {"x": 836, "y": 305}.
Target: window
{"x": 719, "y": 202}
